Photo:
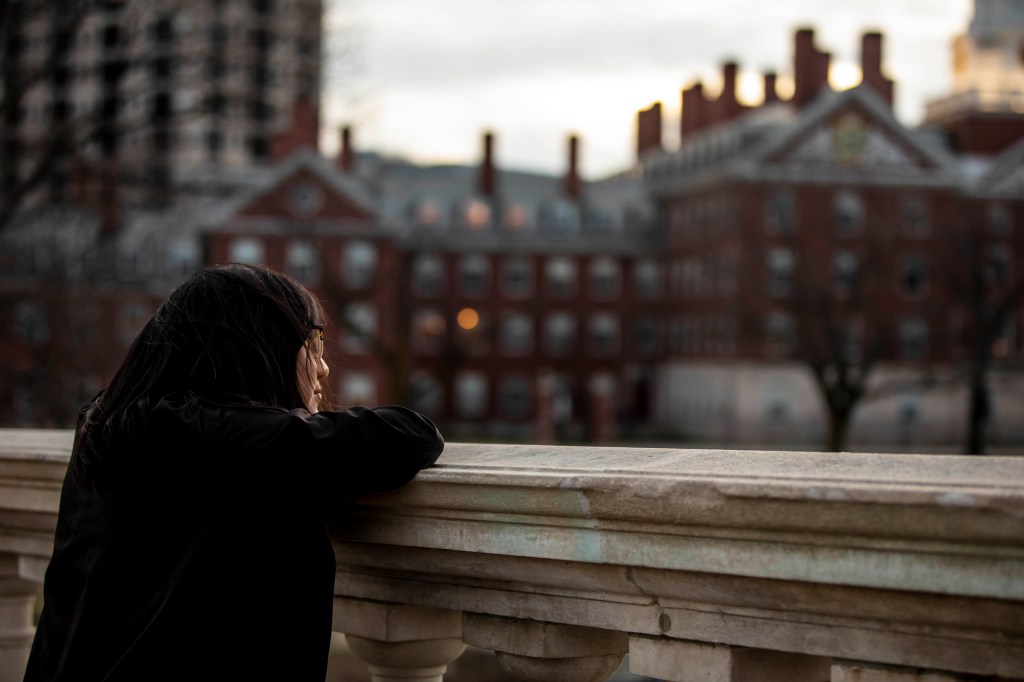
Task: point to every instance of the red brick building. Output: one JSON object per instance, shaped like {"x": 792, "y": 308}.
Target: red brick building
{"x": 812, "y": 241}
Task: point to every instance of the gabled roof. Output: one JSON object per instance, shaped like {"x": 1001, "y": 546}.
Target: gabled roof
{"x": 1006, "y": 174}
{"x": 345, "y": 188}
{"x": 876, "y": 139}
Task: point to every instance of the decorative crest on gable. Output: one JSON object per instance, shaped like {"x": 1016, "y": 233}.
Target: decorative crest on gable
{"x": 851, "y": 141}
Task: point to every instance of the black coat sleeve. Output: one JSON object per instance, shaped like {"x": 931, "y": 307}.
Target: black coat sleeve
{"x": 322, "y": 457}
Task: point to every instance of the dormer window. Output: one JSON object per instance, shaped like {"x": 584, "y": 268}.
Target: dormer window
{"x": 428, "y": 213}
{"x": 478, "y": 214}
{"x": 516, "y": 217}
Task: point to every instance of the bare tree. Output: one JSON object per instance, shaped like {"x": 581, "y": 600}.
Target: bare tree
{"x": 984, "y": 283}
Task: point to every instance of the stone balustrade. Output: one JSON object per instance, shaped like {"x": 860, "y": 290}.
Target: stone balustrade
{"x": 702, "y": 566}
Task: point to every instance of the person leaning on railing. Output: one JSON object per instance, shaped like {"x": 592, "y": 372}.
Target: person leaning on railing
{"x": 190, "y": 539}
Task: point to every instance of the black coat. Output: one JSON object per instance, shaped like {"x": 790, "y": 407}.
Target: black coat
{"x": 211, "y": 560}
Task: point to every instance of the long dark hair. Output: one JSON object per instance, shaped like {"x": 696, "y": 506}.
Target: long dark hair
{"x": 230, "y": 333}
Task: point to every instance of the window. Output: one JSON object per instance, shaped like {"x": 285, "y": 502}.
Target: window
{"x": 516, "y": 217}
{"x": 472, "y": 330}
{"x": 780, "y": 334}
{"x": 471, "y": 395}
{"x": 515, "y": 398}
{"x": 560, "y": 278}
{"x": 31, "y": 324}
{"x": 303, "y": 262}
{"x": 426, "y": 394}
{"x": 477, "y": 214}
{"x": 604, "y": 334}
{"x": 604, "y": 278}
{"x": 780, "y": 212}
{"x": 913, "y": 333}
{"x": 645, "y": 335}
{"x": 359, "y": 325}
{"x": 474, "y": 275}
{"x": 183, "y": 256}
{"x": 358, "y": 388}
{"x": 913, "y": 276}
{"x": 246, "y": 250}
{"x": 914, "y": 220}
{"x": 428, "y": 213}
{"x": 780, "y": 272}
{"x": 516, "y": 334}
{"x": 428, "y": 327}
{"x": 560, "y": 333}
{"x": 360, "y": 264}
{"x": 427, "y": 275}
{"x": 691, "y": 273}
{"x": 518, "y": 277}
{"x": 849, "y": 213}
{"x": 647, "y": 279}
{"x": 560, "y": 217}
{"x": 846, "y": 268}
{"x": 997, "y": 264}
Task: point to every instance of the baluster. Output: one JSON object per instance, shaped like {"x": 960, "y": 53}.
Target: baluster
{"x": 400, "y": 643}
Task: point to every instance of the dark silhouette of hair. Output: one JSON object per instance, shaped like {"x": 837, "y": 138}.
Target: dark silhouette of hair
{"x": 230, "y": 333}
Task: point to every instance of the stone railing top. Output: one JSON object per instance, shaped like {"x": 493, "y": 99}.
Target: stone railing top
{"x": 944, "y": 524}
{"x": 913, "y": 560}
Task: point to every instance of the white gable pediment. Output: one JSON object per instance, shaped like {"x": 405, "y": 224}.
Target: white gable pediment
{"x": 852, "y": 131}
{"x": 851, "y": 141}
{"x": 1012, "y": 183}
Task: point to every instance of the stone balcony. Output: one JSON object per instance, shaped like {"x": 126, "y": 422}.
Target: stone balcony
{"x": 703, "y": 566}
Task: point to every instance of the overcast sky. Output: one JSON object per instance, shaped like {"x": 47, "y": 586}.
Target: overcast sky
{"x": 424, "y": 78}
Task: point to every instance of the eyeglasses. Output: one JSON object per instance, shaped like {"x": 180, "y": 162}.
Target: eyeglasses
{"x": 316, "y": 340}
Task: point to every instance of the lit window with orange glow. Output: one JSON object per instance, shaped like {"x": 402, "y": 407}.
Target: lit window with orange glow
{"x": 468, "y": 319}
{"x": 478, "y": 214}
{"x": 516, "y": 217}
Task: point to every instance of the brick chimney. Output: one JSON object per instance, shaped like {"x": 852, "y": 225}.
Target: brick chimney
{"x": 648, "y": 130}
{"x": 346, "y": 153}
{"x": 304, "y": 133}
{"x": 871, "y": 66}
{"x": 727, "y": 107}
{"x": 573, "y": 184}
{"x": 771, "y": 93}
{"x": 488, "y": 173}
{"x": 696, "y": 111}
{"x": 810, "y": 68}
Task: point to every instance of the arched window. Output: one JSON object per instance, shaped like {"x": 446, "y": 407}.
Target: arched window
{"x": 428, "y": 330}
{"x": 560, "y": 333}
{"x": 427, "y": 275}
{"x": 517, "y": 334}
{"x": 647, "y": 279}
{"x": 560, "y": 278}
{"x": 515, "y": 397}
{"x": 303, "y": 261}
{"x": 247, "y": 250}
{"x": 360, "y": 264}
{"x": 604, "y": 334}
{"x": 849, "y": 213}
{"x": 474, "y": 275}
{"x": 604, "y": 278}
{"x": 471, "y": 394}
{"x": 426, "y": 394}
